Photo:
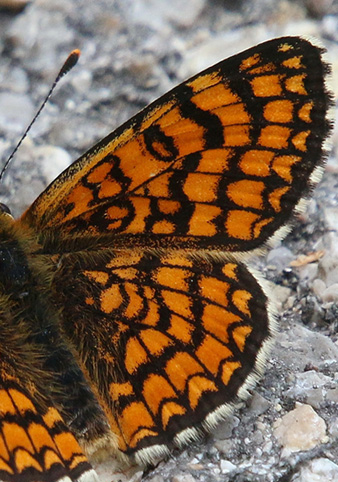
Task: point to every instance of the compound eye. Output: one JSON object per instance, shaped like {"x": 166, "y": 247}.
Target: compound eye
{"x": 5, "y": 209}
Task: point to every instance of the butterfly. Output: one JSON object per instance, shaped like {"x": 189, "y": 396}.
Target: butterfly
{"x": 130, "y": 321}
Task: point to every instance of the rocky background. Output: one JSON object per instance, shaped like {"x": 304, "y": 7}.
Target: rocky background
{"x": 132, "y": 52}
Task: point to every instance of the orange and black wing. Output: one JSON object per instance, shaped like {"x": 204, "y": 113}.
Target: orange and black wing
{"x": 35, "y": 443}
{"x": 177, "y": 340}
{"x": 168, "y": 340}
{"x": 220, "y": 161}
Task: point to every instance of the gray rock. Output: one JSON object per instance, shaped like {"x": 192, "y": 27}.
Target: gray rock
{"x": 318, "y": 470}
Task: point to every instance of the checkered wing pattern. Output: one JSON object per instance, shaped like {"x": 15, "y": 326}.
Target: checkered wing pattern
{"x": 176, "y": 338}
{"x": 219, "y": 162}
{"x": 148, "y": 327}
{"x": 35, "y": 443}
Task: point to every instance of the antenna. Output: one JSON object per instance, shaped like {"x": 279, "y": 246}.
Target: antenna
{"x": 70, "y": 62}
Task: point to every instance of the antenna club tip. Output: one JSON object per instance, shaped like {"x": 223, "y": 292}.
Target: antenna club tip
{"x": 76, "y": 53}
{"x": 71, "y": 60}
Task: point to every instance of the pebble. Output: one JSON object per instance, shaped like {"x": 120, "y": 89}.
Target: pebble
{"x": 258, "y": 404}
{"x": 302, "y": 346}
{"x": 308, "y": 387}
{"x": 267, "y": 447}
{"x": 333, "y": 428}
{"x": 279, "y": 295}
{"x": 300, "y": 429}
{"x": 280, "y": 258}
{"x": 183, "y": 478}
{"x": 308, "y": 272}
{"x": 331, "y": 217}
{"x": 224, "y": 446}
{"x": 318, "y": 287}
{"x": 332, "y": 395}
{"x": 227, "y": 466}
{"x": 318, "y": 470}
{"x": 330, "y": 293}
{"x": 138, "y": 476}
{"x": 224, "y": 429}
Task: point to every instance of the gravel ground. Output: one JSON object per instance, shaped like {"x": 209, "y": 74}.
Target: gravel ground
{"x": 132, "y": 52}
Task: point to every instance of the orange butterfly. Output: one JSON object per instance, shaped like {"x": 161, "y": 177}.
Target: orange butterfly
{"x": 129, "y": 321}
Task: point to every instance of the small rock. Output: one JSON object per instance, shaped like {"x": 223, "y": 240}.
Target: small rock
{"x": 300, "y": 429}
{"x": 330, "y": 293}
{"x": 309, "y": 387}
{"x": 279, "y": 295}
{"x": 308, "y": 272}
{"x": 329, "y": 24}
{"x": 267, "y": 448}
{"x": 224, "y": 446}
{"x": 227, "y": 466}
{"x": 318, "y": 287}
{"x": 333, "y": 428}
{"x": 224, "y": 429}
{"x": 257, "y": 438}
{"x": 183, "y": 478}
{"x": 280, "y": 258}
{"x": 196, "y": 467}
{"x": 311, "y": 379}
{"x": 332, "y": 275}
{"x": 318, "y": 470}
{"x": 138, "y": 476}
{"x": 258, "y": 405}
{"x": 332, "y": 395}
{"x": 304, "y": 345}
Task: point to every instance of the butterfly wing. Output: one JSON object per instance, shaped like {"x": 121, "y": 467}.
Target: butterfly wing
{"x": 35, "y": 444}
{"x": 177, "y": 339}
{"x": 167, "y": 339}
{"x": 220, "y": 161}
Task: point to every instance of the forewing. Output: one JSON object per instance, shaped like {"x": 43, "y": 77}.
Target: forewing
{"x": 177, "y": 339}
{"x": 221, "y": 160}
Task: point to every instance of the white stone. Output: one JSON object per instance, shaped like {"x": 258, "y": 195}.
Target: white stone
{"x": 311, "y": 379}
{"x": 227, "y": 466}
{"x": 309, "y": 271}
{"x": 330, "y": 293}
{"x": 319, "y": 470}
{"x": 318, "y": 287}
{"x": 300, "y": 429}
{"x": 183, "y": 478}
